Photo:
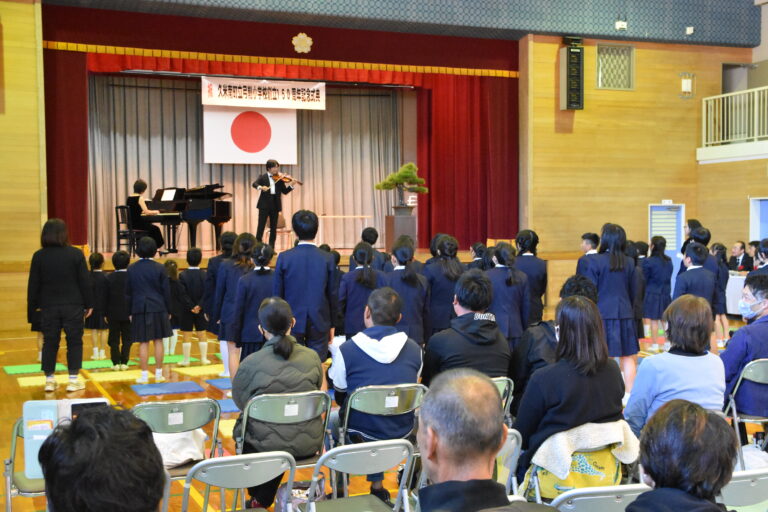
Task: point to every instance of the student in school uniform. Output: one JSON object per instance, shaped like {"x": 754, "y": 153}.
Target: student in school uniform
{"x": 149, "y": 296}
{"x": 589, "y": 244}
{"x": 413, "y": 289}
{"x": 304, "y": 277}
{"x": 633, "y": 252}
{"x": 180, "y": 302}
{"x": 226, "y": 242}
{"x": 614, "y": 275}
{"x": 356, "y": 286}
{"x": 442, "y": 275}
{"x": 433, "y": 248}
{"x": 752, "y": 250}
{"x": 476, "y": 251}
{"x": 252, "y": 289}
{"x": 719, "y": 250}
{"x": 59, "y": 288}
{"x": 511, "y": 297}
{"x": 193, "y": 279}
{"x": 229, "y": 274}
{"x": 380, "y": 260}
{"x": 761, "y": 258}
{"x": 118, "y": 312}
{"x": 657, "y": 270}
{"x": 696, "y": 280}
{"x": 97, "y": 322}
{"x": 690, "y": 226}
{"x": 535, "y": 268}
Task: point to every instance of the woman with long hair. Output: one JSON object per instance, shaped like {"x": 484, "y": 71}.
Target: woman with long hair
{"x": 657, "y": 270}
{"x": 442, "y": 274}
{"x": 527, "y": 242}
{"x": 413, "y": 289}
{"x": 355, "y": 287}
{"x": 511, "y": 298}
{"x": 719, "y": 251}
{"x": 252, "y": 289}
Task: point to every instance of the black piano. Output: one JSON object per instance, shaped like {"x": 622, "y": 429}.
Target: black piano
{"x": 193, "y": 206}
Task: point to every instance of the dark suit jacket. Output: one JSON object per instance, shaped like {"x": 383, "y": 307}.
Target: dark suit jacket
{"x": 353, "y": 298}
{"x": 700, "y": 282}
{"x": 380, "y": 262}
{"x": 117, "y": 305}
{"x": 536, "y": 270}
{"x": 615, "y": 289}
{"x": 304, "y": 277}
{"x": 267, "y": 200}
{"x": 747, "y": 263}
{"x": 147, "y": 288}
{"x": 415, "y": 321}
{"x": 252, "y": 288}
{"x": 511, "y": 303}
{"x": 194, "y": 283}
{"x": 58, "y": 276}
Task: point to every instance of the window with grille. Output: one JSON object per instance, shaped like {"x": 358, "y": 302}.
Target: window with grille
{"x": 615, "y": 67}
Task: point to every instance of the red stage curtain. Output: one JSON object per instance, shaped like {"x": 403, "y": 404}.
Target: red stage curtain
{"x": 66, "y": 140}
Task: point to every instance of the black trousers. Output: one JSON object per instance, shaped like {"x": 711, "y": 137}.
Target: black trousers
{"x": 119, "y": 329}
{"x": 270, "y": 214}
{"x": 266, "y": 492}
{"x": 314, "y": 339}
{"x": 52, "y": 320}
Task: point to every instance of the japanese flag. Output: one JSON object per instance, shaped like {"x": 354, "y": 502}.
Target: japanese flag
{"x": 240, "y": 135}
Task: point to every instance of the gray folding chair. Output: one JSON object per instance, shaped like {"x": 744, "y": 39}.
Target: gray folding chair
{"x": 613, "y": 498}
{"x": 745, "y": 489}
{"x": 182, "y": 416}
{"x": 755, "y": 371}
{"x": 506, "y": 387}
{"x": 382, "y": 401}
{"x": 16, "y": 482}
{"x": 507, "y": 459}
{"x": 238, "y": 472}
{"x": 287, "y": 409}
{"x": 361, "y": 459}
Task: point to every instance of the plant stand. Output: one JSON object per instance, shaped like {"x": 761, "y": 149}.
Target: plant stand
{"x": 398, "y": 225}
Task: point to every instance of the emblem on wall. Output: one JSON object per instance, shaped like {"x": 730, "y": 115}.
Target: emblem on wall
{"x": 302, "y": 43}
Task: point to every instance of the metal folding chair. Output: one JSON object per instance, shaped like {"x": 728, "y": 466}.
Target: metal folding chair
{"x": 382, "y": 401}
{"x": 360, "y": 459}
{"x": 506, "y": 387}
{"x": 182, "y": 416}
{"x": 745, "y": 489}
{"x": 614, "y": 498}
{"x": 16, "y": 482}
{"x": 287, "y": 409}
{"x": 238, "y": 472}
{"x": 755, "y": 371}
{"x": 506, "y": 461}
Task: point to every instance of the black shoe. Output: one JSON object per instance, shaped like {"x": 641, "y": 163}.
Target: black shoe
{"x": 383, "y": 495}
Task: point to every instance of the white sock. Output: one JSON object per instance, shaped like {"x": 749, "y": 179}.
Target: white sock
{"x": 203, "y": 346}
{"x": 158, "y": 373}
{"x": 647, "y": 331}
{"x": 186, "y": 349}
{"x": 166, "y": 345}
{"x": 224, "y": 349}
{"x": 144, "y": 374}
{"x": 73, "y": 377}
{"x": 50, "y": 378}
{"x": 174, "y": 340}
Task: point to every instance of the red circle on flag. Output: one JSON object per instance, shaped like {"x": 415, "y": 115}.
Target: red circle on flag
{"x": 251, "y": 132}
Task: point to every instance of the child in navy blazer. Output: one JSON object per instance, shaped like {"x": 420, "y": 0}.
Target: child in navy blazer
{"x": 229, "y": 275}
{"x": 97, "y": 322}
{"x": 252, "y": 289}
{"x": 226, "y": 241}
{"x": 657, "y": 270}
{"x": 118, "y": 313}
{"x": 696, "y": 279}
{"x": 180, "y": 302}
{"x": 719, "y": 250}
{"x": 535, "y": 268}
{"x": 149, "y": 296}
{"x": 193, "y": 319}
{"x": 413, "y": 289}
{"x": 511, "y": 299}
{"x": 304, "y": 277}
{"x": 338, "y": 320}
{"x": 442, "y": 275}
{"x": 356, "y": 286}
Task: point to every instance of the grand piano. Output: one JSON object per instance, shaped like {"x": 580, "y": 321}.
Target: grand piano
{"x": 193, "y": 206}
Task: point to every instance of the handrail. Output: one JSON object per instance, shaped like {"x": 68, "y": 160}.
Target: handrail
{"x": 735, "y": 117}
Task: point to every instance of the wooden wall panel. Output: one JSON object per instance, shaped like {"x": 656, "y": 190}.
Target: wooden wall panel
{"x": 624, "y": 150}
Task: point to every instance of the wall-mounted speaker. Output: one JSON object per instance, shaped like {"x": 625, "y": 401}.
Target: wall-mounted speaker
{"x": 572, "y": 77}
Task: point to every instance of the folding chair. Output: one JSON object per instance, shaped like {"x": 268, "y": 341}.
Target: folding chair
{"x": 506, "y": 387}
{"x": 614, "y": 498}
{"x": 363, "y": 458}
{"x": 238, "y": 472}
{"x": 16, "y": 482}
{"x": 287, "y": 409}
{"x": 755, "y": 371}
{"x": 382, "y": 401}
{"x": 182, "y": 416}
{"x": 745, "y": 489}
{"x": 507, "y": 460}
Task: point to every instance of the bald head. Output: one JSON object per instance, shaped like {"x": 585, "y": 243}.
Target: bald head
{"x": 463, "y": 407}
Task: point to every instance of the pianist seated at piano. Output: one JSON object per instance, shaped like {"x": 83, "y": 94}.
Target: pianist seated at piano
{"x": 138, "y": 210}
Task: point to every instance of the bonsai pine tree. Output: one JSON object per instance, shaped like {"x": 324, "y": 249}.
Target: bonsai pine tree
{"x": 406, "y": 179}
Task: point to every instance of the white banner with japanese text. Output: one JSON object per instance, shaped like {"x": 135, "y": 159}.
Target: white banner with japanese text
{"x": 242, "y": 92}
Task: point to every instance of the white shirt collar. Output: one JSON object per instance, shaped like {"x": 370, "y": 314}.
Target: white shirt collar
{"x": 97, "y": 270}
{"x": 400, "y": 267}
{"x": 260, "y": 268}
{"x": 591, "y": 251}
{"x": 193, "y": 268}
{"x": 694, "y": 267}
{"x": 122, "y": 270}
{"x": 527, "y": 254}
{"x": 304, "y": 242}
{"x": 359, "y": 266}
{"x": 499, "y": 265}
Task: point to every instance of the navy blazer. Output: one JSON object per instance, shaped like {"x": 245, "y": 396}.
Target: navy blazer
{"x": 252, "y": 288}
{"x": 380, "y": 262}
{"x": 658, "y": 275}
{"x": 536, "y": 270}
{"x": 415, "y": 321}
{"x": 583, "y": 264}
{"x": 511, "y": 303}
{"x": 117, "y": 304}
{"x": 147, "y": 288}
{"x": 210, "y": 284}
{"x": 226, "y": 288}
{"x": 353, "y": 297}
{"x": 759, "y": 271}
{"x": 194, "y": 283}
{"x": 700, "y": 282}
{"x": 441, "y": 293}
{"x": 615, "y": 289}
{"x": 304, "y": 278}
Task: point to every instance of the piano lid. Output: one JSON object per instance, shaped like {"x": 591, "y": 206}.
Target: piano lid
{"x": 206, "y": 192}
{"x": 169, "y": 194}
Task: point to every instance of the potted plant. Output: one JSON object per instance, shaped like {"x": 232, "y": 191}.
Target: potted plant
{"x": 406, "y": 179}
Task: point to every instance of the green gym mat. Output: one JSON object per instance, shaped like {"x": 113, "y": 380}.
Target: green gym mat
{"x": 101, "y": 364}
{"x": 176, "y": 358}
{"x": 21, "y": 369}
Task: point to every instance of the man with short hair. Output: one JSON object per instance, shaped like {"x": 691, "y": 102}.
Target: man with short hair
{"x": 589, "y": 244}
{"x": 270, "y": 203}
{"x": 461, "y": 429}
{"x": 696, "y": 280}
{"x": 740, "y": 260}
{"x": 379, "y": 355}
{"x": 104, "y": 459}
{"x": 305, "y": 278}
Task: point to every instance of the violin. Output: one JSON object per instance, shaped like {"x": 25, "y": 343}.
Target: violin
{"x": 286, "y": 178}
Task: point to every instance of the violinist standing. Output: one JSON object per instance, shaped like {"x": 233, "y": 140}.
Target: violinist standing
{"x": 272, "y": 185}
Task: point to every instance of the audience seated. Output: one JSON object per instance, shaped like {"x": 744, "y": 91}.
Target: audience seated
{"x": 378, "y": 355}
{"x": 761, "y": 258}
{"x": 583, "y": 385}
{"x": 686, "y": 456}
{"x": 537, "y": 346}
{"x": 749, "y": 343}
{"x": 688, "y": 371}
{"x": 105, "y": 459}
{"x": 461, "y": 429}
{"x": 740, "y": 260}
{"x": 473, "y": 340}
{"x": 281, "y": 366}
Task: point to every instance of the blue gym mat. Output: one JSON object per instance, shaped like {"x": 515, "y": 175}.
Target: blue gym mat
{"x": 228, "y": 405}
{"x": 223, "y": 383}
{"x": 167, "y": 388}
